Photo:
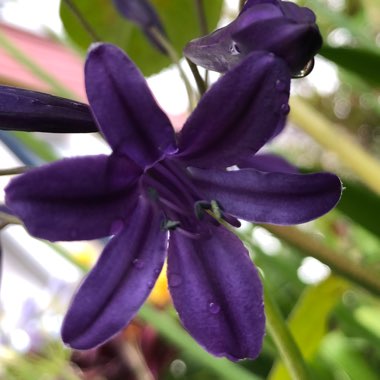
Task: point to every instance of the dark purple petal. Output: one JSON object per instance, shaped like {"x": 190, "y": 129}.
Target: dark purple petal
{"x": 266, "y": 162}
{"x": 216, "y": 51}
{"x": 239, "y": 114}
{"x": 144, "y": 15}
{"x": 296, "y": 43}
{"x": 217, "y": 293}
{"x": 75, "y": 199}
{"x": 25, "y": 110}
{"x": 119, "y": 283}
{"x": 277, "y": 198}
{"x": 124, "y": 107}
{"x": 280, "y": 27}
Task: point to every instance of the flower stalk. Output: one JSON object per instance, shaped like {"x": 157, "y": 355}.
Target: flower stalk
{"x": 309, "y": 246}
{"x": 89, "y": 29}
{"x": 199, "y": 5}
{"x": 175, "y": 59}
{"x": 286, "y": 346}
{"x": 334, "y": 139}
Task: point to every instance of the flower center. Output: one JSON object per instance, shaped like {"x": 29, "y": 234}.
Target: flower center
{"x": 169, "y": 186}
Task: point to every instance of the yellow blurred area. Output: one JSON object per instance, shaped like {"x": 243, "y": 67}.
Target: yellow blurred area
{"x": 87, "y": 254}
{"x": 160, "y": 295}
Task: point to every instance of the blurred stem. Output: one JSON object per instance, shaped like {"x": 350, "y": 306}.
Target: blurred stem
{"x": 14, "y": 171}
{"x": 6, "y": 219}
{"x": 36, "y": 70}
{"x": 89, "y": 29}
{"x": 175, "y": 59}
{"x": 308, "y": 245}
{"x": 287, "y": 348}
{"x": 201, "y": 84}
{"x": 199, "y": 5}
{"x": 337, "y": 140}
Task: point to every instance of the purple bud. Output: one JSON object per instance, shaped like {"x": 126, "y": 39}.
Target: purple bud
{"x": 142, "y": 13}
{"x": 280, "y": 27}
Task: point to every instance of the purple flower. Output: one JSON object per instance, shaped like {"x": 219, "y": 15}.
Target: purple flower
{"x": 280, "y": 27}
{"x": 25, "y": 110}
{"x": 154, "y": 193}
{"x": 142, "y": 13}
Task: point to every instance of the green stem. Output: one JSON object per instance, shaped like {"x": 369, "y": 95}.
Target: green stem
{"x": 34, "y": 68}
{"x": 86, "y": 26}
{"x": 174, "y": 333}
{"x": 201, "y": 84}
{"x": 337, "y": 140}
{"x": 203, "y": 27}
{"x": 287, "y": 348}
{"x": 14, "y": 171}
{"x": 6, "y": 219}
{"x": 66, "y": 255}
{"x": 175, "y": 59}
{"x": 310, "y": 246}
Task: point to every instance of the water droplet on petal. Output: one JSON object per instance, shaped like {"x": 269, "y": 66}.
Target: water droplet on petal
{"x": 116, "y": 226}
{"x": 138, "y": 263}
{"x": 150, "y": 284}
{"x": 214, "y": 308}
{"x": 36, "y": 101}
{"x": 234, "y": 49}
{"x": 306, "y": 70}
{"x": 174, "y": 280}
{"x": 280, "y": 85}
{"x": 285, "y": 108}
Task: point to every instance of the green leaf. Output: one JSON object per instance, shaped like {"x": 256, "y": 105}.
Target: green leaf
{"x": 362, "y": 206}
{"x": 308, "y": 322}
{"x": 178, "y": 17}
{"x": 341, "y": 354}
{"x": 362, "y": 62}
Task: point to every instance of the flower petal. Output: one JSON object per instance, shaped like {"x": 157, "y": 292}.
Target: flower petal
{"x": 124, "y": 107}
{"x": 266, "y": 162}
{"x": 297, "y": 44}
{"x": 239, "y": 114}
{"x": 25, "y": 110}
{"x": 277, "y": 198}
{"x": 74, "y": 199}
{"x": 217, "y": 293}
{"x": 145, "y": 16}
{"x": 119, "y": 283}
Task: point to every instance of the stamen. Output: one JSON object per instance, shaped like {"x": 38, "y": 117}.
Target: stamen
{"x": 170, "y": 225}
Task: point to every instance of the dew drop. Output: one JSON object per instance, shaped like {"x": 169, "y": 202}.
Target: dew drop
{"x": 285, "y": 108}
{"x": 234, "y": 49}
{"x": 150, "y": 284}
{"x": 36, "y": 101}
{"x": 116, "y": 226}
{"x": 157, "y": 271}
{"x": 280, "y": 85}
{"x": 306, "y": 70}
{"x": 174, "y": 280}
{"x": 214, "y": 308}
{"x": 138, "y": 263}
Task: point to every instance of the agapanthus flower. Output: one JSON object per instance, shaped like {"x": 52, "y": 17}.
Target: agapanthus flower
{"x": 281, "y": 27}
{"x": 163, "y": 195}
{"x": 143, "y": 14}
